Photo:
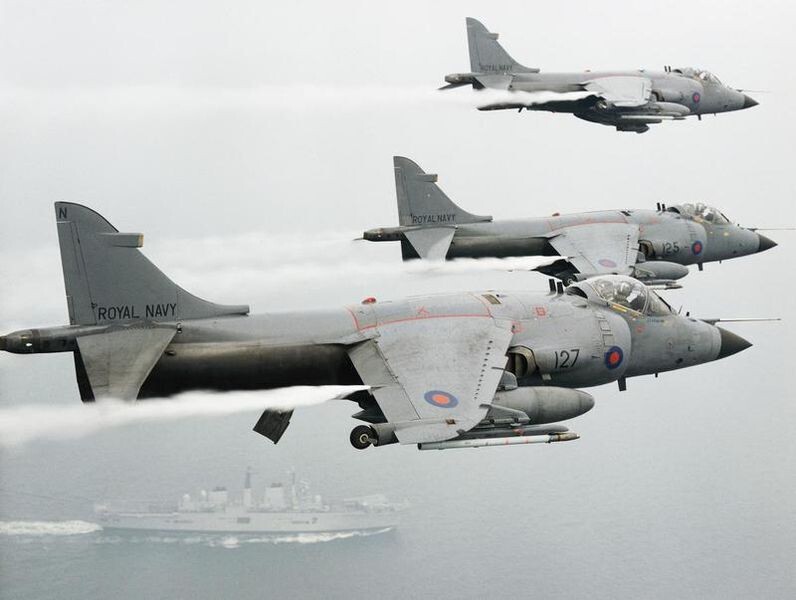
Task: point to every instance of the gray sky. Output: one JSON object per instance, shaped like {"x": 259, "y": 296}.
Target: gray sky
{"x": 186, "y": 118}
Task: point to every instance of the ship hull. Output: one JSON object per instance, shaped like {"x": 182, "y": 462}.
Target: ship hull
{"x": 248, "y": 523}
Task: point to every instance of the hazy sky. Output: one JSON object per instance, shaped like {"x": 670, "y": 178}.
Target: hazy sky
{"x": 190, "y": 118}
{"x": 250, "y": 141}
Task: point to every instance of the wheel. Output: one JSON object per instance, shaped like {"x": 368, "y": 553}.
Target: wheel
{"x": 362, "y": 436}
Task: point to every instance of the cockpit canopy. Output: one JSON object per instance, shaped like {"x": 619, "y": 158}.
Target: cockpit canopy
{"x": 701, "y": 212}
{"x": 624, "y": 292}
{"x": 700, "y": 75}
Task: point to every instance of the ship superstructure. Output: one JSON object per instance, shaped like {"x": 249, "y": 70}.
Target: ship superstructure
{"x": 282, "y": 507}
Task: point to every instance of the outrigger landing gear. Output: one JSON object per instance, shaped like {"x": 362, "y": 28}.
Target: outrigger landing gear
{"x": 362, "y": 436}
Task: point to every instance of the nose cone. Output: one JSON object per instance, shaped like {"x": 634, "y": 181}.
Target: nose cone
{"x": 748, "y": 101}
{"x": 765, "y": 243}
{"x": 731, "y": 343}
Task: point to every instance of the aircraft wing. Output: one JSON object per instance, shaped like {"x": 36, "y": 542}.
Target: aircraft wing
{"x": 598, "y": 247}
{"x": 621, "y": 91}
{"x": 433, "y": 378}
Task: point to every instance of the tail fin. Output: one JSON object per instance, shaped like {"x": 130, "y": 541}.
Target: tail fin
{"x": 109, "y": 280}
{"x": 487, "y": 55}
{"x": 422, "y": 203}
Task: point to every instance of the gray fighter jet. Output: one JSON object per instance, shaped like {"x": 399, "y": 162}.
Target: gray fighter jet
{"x": 651, "y": 245}
{"x": 627, "y": 100}
{"x": 444, "y": 371}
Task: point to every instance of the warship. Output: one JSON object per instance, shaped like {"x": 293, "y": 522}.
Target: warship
{"x": 282, "y": 508}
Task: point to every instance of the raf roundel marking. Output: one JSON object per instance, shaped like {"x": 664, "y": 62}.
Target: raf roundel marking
{"x": 614, "y": 357}
{"x": 441, "y": 399}
{"x": 607, "y": 262}
{"x": 696, "y": 97}
{"x": 696, "y": 247}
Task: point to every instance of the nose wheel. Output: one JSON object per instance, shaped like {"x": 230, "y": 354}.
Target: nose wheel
{"x": 362, "y": 436}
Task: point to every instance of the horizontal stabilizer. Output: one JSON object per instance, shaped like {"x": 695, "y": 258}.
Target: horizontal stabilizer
{"x": 495, "y": 82}
{"x": 431, "y": 244}
{"x": 118, "y": 362}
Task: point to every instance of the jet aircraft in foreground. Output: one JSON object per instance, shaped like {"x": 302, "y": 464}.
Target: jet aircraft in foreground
{"x": 627, "y": 100}
{"x": 653, "y": 246}
{"x": 443, "y": 371}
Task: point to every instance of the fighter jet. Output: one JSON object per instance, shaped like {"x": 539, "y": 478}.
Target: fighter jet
{"x": 653, "y": 246}
{"x": 627, "y": 100}
{"x": 445, "y": 371}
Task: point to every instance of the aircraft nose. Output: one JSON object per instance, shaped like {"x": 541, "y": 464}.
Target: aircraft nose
{"x": 731, "y": 343}
{"x": 765, "y": 243}
{"x": 748, "y": 102}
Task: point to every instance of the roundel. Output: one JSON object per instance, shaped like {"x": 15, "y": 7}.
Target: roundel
{"x": 607, "y": 262}
{"x": 614, "y": 357}
{"x": 697, "y": 247}
{"x": 441, "y": 399}
{"x": 696, "y": 97}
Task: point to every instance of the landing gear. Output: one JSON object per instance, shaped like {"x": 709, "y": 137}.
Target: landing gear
{"x": 362, "y": 436}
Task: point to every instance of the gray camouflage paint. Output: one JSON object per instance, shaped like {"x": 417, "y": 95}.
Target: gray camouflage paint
{"x": 564, "y": 340}
{"x": 671, "y": 235}
{"x": 674, "y": 94}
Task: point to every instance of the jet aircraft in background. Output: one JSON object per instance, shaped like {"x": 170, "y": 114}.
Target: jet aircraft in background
{"x": 627, "y": 100}
{"x": 443, "y": 371}
{"x": 653, "y": 246}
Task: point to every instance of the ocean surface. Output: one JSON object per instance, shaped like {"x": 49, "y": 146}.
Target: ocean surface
{"x": 686, "y": 494}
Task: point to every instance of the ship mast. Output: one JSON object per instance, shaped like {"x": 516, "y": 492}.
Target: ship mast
{"x": 247, "y": 488}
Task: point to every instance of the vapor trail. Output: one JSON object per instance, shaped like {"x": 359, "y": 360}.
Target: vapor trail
{"x": 244, "y": 268}
{"x": 321, "y": 270}
{"x": 290, "y": 97}
{"x": 24, "y": 424}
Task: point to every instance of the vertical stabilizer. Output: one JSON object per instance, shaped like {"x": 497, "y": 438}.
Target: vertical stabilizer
{"x": 487, "y": 55}
{"x": 109, "y": 280}
{"x": 422, "y": 203}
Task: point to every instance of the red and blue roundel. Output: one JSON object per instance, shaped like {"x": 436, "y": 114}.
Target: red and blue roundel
{"x": 614, "y": 357}
{"x": 441, "y": 399}
{"x": 607, "y": 262}
{"x": 697, "y": 247}
{"x": 696, "y": 97}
